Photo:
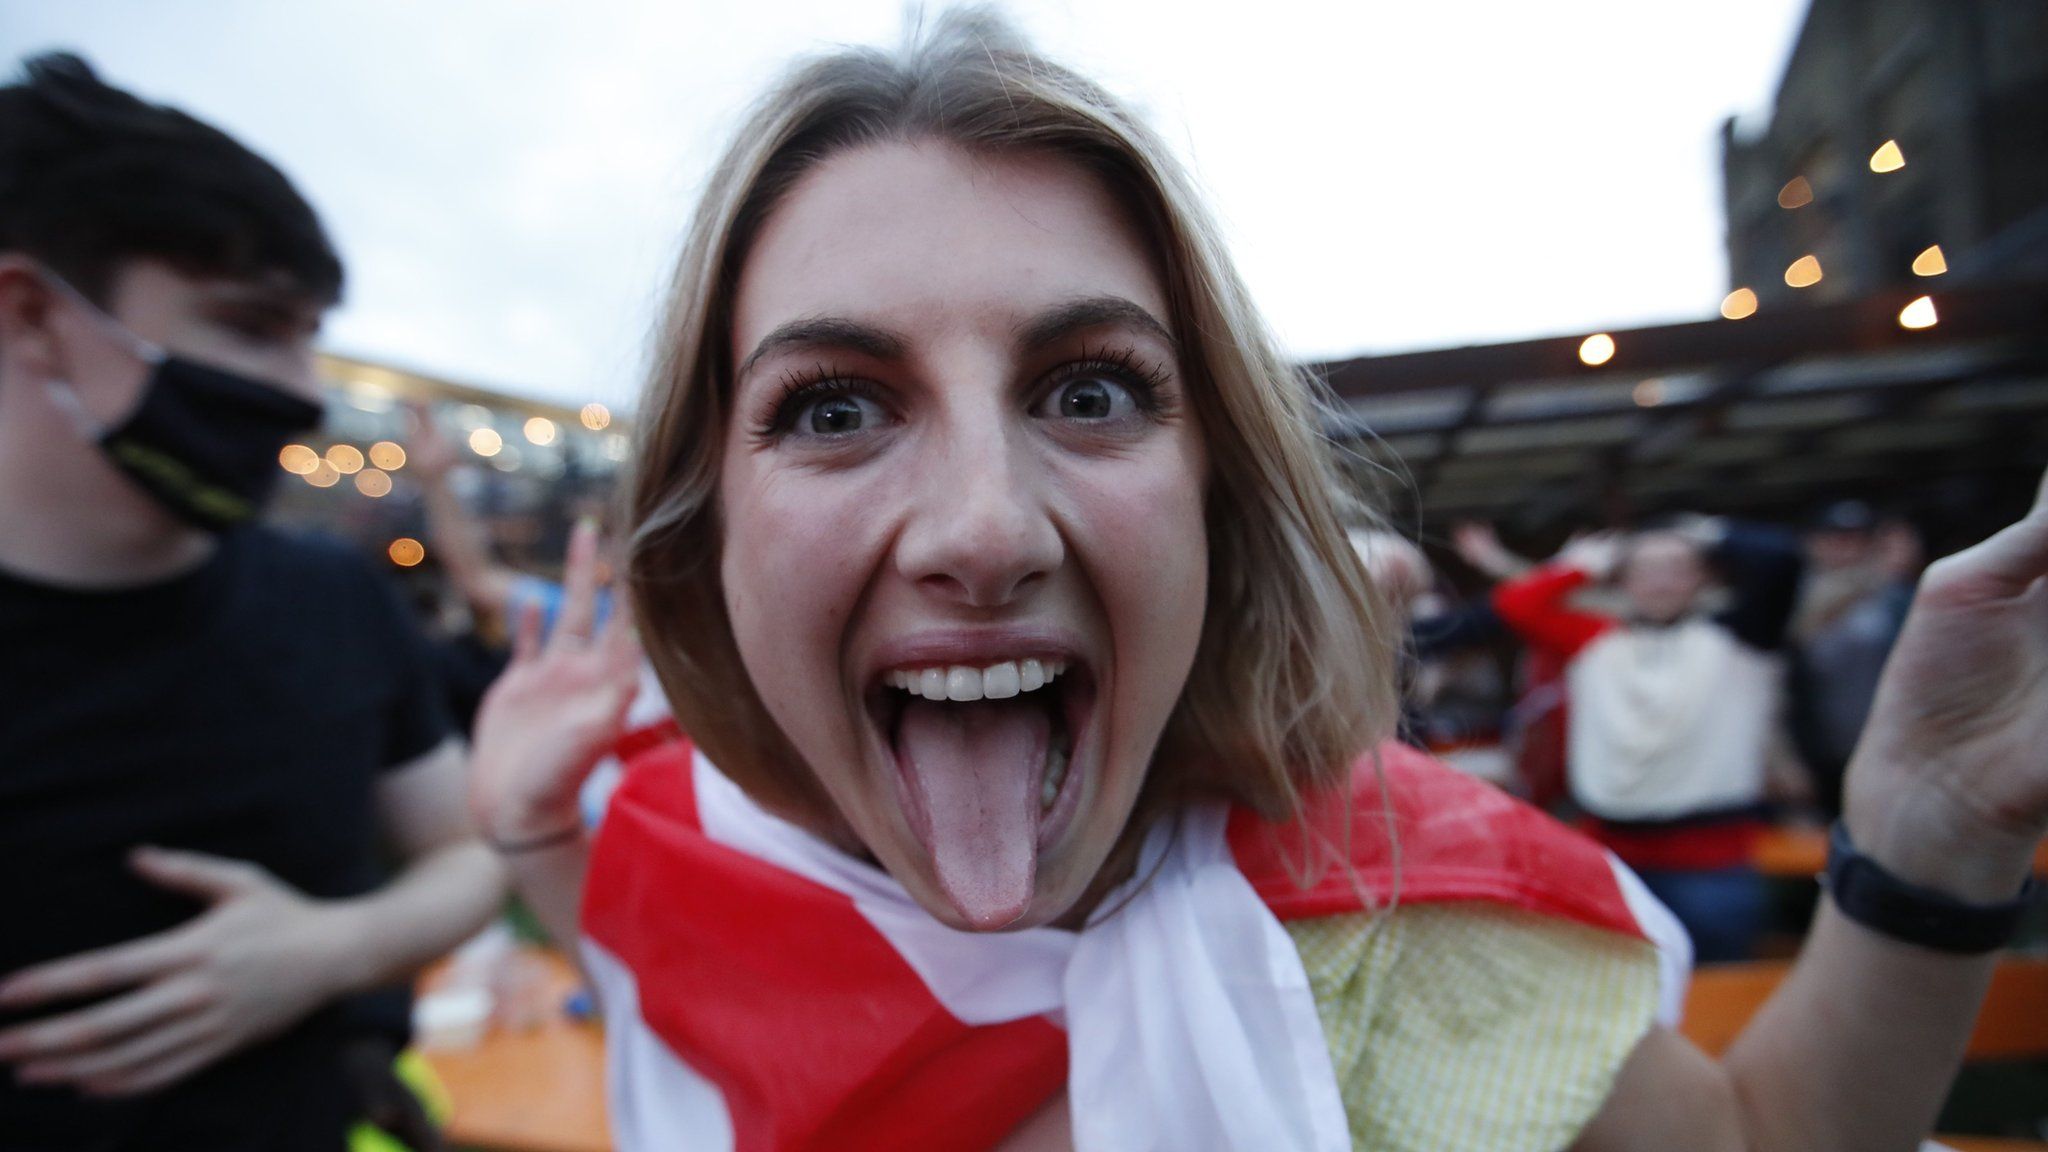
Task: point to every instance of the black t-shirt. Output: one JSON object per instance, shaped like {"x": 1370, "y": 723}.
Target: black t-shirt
{"x": 245, "y": 709}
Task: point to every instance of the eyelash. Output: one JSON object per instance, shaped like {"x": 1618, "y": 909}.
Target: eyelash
{"x": 1145, "y": 381}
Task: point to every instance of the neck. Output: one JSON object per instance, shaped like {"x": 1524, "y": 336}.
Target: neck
{"x": 69, "y": 517}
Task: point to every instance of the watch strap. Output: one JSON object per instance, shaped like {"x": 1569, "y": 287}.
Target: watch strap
{"x": 1884, "y": 903}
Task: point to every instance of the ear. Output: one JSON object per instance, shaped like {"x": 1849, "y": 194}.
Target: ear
{"x": 27, "y": 341}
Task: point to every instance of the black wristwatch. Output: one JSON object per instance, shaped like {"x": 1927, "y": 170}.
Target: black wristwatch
{"x": 1882, "y": 902}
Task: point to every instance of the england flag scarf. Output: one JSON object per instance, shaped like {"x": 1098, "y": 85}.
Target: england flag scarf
{"x": 766, "y": 992}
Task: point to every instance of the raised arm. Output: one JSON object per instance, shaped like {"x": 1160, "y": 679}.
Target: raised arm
{"x": 1948, "y": 791}
{"x": 1536, "y": 604}
{"x": 547, "y": 721}
{"x": 456, "y": 535}
{"x": 1762, "y": 567}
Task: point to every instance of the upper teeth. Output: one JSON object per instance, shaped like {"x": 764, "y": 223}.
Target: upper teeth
{"x": 960, "y": 682}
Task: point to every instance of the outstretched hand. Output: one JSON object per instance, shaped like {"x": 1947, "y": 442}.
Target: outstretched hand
{"x": 1949, "y": 785}
{"x": 556, "y": 710}
{"x": 256, "y": 962}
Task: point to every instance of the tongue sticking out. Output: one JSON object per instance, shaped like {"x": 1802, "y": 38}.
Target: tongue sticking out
{"x": 976, "y": 768}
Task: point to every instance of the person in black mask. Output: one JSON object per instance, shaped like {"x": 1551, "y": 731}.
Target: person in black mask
{"x": 209, "y": 724}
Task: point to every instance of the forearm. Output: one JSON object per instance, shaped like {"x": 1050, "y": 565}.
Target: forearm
{"x": 1858, "y": 1049}
{"x": 549, "y": 880}
{"x": 440, "y": 900}
{"x": 463, "y": 552}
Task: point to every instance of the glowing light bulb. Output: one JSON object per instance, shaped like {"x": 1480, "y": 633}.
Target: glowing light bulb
{"x": 1919, "y": 314}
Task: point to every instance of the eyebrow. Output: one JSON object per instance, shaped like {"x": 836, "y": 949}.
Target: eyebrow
{"x": 1063, "y": 320}
{"x": 1048, "y": 327}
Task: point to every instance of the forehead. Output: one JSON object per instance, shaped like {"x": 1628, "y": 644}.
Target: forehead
{"x": 938, "y": 241}
{"x": 1664, "y": 549}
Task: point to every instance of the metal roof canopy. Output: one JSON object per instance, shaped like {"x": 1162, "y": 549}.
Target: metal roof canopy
{"x": 1774, "y": 412}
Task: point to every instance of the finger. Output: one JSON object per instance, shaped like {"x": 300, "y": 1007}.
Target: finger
{"x": 579, "y": 584}
{"x": 526, "y": 638}
{"x": 203, "y": 1045}
{"x": 105, "y": 970}
{"x": 120, "y": 1063}
{"x": 97, "y": 1028}
{"x": 198, "y": 874}
{"x": 2009, "y": 562}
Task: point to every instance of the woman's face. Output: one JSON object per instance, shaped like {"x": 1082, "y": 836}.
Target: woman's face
{"x": 962, "y": 497}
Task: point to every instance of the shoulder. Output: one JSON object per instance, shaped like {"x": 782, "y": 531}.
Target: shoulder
{"x": 300, "y": 560}
{"x": 1411, "y": 829}
{"x": 1474, "y": 1026}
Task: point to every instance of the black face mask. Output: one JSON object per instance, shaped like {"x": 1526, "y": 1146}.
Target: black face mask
{"x": 203, "y": 440}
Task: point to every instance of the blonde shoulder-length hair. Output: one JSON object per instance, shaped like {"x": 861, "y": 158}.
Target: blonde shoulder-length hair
{"x": 1293, "y": 677}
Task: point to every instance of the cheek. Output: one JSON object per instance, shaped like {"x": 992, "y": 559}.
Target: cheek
{"x": 1146, "y": 544}
{"x": 793, "y": 565}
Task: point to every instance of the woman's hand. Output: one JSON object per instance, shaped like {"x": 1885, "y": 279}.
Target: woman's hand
{"x": 555, "y": 711}
{"x": 1949, "y": 785}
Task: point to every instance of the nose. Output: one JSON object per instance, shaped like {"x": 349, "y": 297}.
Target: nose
{"x": 980, "y": 534}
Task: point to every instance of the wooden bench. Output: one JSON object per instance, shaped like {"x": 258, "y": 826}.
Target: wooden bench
{"x": 2013, "y": 1024}
{"x": 1800, "y": 853}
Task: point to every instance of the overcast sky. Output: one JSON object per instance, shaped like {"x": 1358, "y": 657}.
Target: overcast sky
{"x": 508, "y": 179}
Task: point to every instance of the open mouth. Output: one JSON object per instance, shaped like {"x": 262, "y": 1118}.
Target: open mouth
{"x": 989, "y": 763}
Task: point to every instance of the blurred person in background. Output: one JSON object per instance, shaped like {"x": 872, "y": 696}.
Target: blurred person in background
{"x": 1672, "y": 705}
{"x": 211, "y": 726}
{"x": 1452, "y": 701}
{"x": 1861, "y": 570}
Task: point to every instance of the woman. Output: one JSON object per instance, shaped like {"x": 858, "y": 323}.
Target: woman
{"x": 985, "y": 548}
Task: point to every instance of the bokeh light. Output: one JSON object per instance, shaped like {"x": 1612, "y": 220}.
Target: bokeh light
{"x": 1887, "y": 158}
{"x": 596, "y": 417}
{"x": 1919, "y": 314}
{"x": 1930, "y": 262}
{"x": 1804, "y": 272}
{"x": 1739, "y": 304}
{"x": 373, "y": 483}
{"x": 406, "y": 552}
{"x": 1796, "y": 193}
{"x": 298, "y": 459}
{"x": 1649, "y": 393}
{"x": 387, "y": 455}
{"x": 323, "y": 475}
{"x": 1596, "y": 349}
{"x": 540, "y": 430}
{"x": 486, "y": 442}
{"x": 346, "y": 459}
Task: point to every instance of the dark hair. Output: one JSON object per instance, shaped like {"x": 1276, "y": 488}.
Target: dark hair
{"x": 92, "y": 177}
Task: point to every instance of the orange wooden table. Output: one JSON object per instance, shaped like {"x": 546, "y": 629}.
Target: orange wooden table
{"x": 538, "y": 1090}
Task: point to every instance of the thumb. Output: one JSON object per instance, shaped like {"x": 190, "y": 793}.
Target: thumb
{"x": 197, "y": 874}
{"x": 2009, "y": 562}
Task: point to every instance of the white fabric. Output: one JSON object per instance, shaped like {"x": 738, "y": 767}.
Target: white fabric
{"x": 654, "y": 1100}
{"x": 1667, "y": 722}
{"x": 1674, "y": 946}
{"x": 1191, "y": 1025}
